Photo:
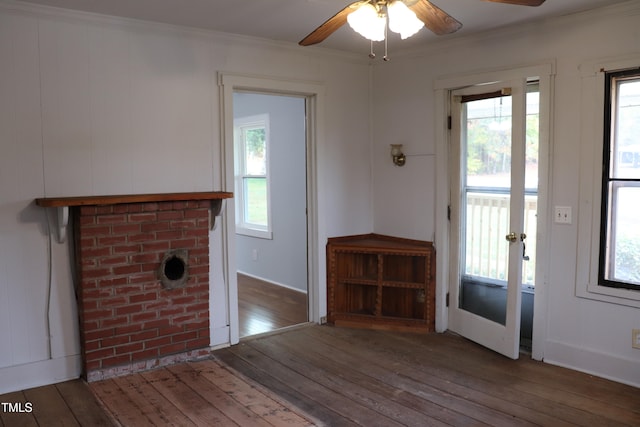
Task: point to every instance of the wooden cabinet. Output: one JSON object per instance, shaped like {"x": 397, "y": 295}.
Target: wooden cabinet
{"x": 381, "y": 282}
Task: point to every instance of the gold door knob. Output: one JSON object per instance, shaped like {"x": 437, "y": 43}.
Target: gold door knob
{"x": 511, "y": 237}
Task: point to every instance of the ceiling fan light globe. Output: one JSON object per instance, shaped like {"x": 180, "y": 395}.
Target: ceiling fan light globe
{"x": 403, "y": 20}
{"x": 367, "y": 22}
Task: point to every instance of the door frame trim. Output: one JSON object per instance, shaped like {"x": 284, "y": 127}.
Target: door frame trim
{"x": 313, "y": 93}
{"x": 442, "y": 93}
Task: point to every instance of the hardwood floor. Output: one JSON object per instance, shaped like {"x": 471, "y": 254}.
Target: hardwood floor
{"x": 350, "y": 377}
{"x": 66, "y": 404}
{"x": 265, "y": 307}
{"x": 340, "y": 377}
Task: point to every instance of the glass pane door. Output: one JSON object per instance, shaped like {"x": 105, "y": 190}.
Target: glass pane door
{"x": 487, "y": 224}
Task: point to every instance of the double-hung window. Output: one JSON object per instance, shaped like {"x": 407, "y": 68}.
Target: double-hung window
{"x": 252, "y": 176}
{"x": 620, "y": 221}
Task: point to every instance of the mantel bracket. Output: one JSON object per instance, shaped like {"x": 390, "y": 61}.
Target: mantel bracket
{"x": 62, "y": 222}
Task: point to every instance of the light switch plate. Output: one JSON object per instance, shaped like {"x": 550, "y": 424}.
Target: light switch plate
{"x": 562, "y": 215}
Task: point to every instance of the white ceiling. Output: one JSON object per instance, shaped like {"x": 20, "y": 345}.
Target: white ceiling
{"x": 292, "y": 20}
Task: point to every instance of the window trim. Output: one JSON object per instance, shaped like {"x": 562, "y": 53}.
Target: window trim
{"x": 591, "y": 132}
{"x": 611, "y": 79}
{"x": 244, "y": 227}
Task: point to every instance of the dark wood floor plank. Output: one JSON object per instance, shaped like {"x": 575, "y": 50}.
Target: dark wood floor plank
{"x": 265, "y": 307}
{"x": 302, "y": 391}
{"x": 265, "y": 408}
{"x": 188, "y": 402}
{"x": 441, "y": 376}
{"x": 491, "y": 377}
{"x": 48, "y": 405}
{"x": 553, "y": 376}
{"x": 17, "y": 419}
{"x": 84, "y": 406}
{"x": 345, "y": 382}
{"x": 286, "y": 391}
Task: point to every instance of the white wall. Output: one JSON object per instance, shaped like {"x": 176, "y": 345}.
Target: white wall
{"x": 96, "y": 105}
{"x": 282, "y": 259}
{"x": 581, "y": 333}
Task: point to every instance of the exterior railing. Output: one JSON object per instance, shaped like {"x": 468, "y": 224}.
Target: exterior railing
{"x": 487, "y": 224}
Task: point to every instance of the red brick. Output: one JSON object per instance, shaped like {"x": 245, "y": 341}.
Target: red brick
{"x": 185, "y": 223}
{"x": 112, "y": 282}
{"x": 118, "y": 229}
{"x": 114, "y": 341}
{"x": 126, "y": 249}
{"x": 200, "y": 324}
{"x": 98, "y": 230}
{"x": 129, "y": 348}
{"x": 126, "y": 269}
{"x": 147, "y": 257}
{"x": 172, "y": 348}
{"x": 144, "y": 335}
{"x": 171, "y": 311}
{"x": 97, "y": 314}
{"x": 140, "y": 237}
{"x": 184, "y": 336}
{"x": 100, "y": 354}
{"x": 155, "y": 246}
{"x": 111, "y": 219}
{"x": 183, "y": 243}
{"x": 92, "y": 334}
{"x": 112, "y": 240}
{"x": 88, "y": 211}
{"x": 104, "y": 210}
{"x": 148, "y": 296}
{"x": 144, "y": 276}
{"x": 144, "y": 316}
{"x": 142, "y": 217}
{"x": 127, "y": 329}
{"x": 201, "y": 307}
{"x": 113, "y": 260}
{"x": 128, "y": 289}
{"x": 196, "y": 213}
{"x": 154, "y": 226}
{"x": 157, "y": 342}
{"x": 133, "y": 308}
{"x": 170, "y": 215}
{"x": 116, "y": 360}
{"x": 199, "y": 343}
{"x": 111, "y": 302}
{"x": 94, "y": 252}
{"x": 159, "y": 323}
{"x": 169, "y": 235}
{"x": 114, "y": 321}
{"x": 188, "y": 299}
{"x": 150, "y": 207}
{"x": 148, "y": 354}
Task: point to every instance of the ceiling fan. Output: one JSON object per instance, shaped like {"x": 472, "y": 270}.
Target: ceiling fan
{"x": 381, "y": 17}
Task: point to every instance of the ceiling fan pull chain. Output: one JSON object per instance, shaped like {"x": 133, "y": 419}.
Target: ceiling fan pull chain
{"x": 371, "y": 53}
{"x": 386, "y": 28}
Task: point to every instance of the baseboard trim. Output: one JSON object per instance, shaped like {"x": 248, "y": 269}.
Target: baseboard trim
{"x": 271, "y": 282}
{"x": 40, "y": 373}
{"x": 591, "y": 362}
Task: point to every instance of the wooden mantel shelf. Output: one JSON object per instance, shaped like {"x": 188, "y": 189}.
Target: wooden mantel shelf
{"x": 56, "y": 202}
{"x": 64, "y": 203}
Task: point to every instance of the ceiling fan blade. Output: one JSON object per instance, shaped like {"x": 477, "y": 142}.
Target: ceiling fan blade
{"x": 329, "y": 26}
{"x": 434, "y": 18}
{"x": 520, "y": 2}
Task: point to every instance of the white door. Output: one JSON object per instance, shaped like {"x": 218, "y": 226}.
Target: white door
{"x": 488, "y": 145}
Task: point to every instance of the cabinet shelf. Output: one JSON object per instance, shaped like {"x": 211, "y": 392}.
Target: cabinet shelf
{"x": 381, "y": 282}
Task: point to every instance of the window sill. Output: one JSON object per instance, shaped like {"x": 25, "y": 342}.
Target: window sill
{"x": 260, "y": 234}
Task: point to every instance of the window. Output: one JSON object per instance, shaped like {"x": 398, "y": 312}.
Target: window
{"x": 619, "y": 265}
{"x": 252, "y": 176}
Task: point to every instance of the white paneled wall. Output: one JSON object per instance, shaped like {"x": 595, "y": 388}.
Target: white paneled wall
{"x": 94, "y": 105}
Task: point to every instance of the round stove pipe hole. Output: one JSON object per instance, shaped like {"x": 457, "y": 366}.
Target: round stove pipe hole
{"x": 174, "y": 269}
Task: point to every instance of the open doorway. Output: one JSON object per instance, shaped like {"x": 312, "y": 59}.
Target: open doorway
{"x": 270, "y": 152}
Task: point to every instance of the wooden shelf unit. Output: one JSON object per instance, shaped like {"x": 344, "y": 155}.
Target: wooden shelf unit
{"x": 381, "y": 282}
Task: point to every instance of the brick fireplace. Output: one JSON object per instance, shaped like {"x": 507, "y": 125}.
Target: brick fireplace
{"x": 142, "y": 269}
